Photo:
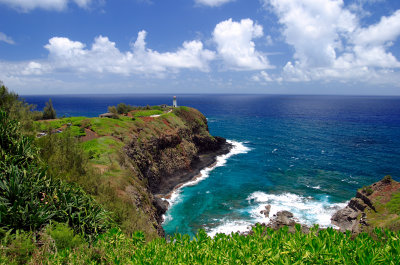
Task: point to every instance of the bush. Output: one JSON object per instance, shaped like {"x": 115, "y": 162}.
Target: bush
{"x": 18, "y": 109}
{"x": 112, "y": 109}
{"x": 367, "y": 190}
{"x": 122, "y": 108}
{"x": 387, "y": 179}
{"x": 21, "y": 247}
{"x": 64, "y": 236}
{"x": 30, "y": 199}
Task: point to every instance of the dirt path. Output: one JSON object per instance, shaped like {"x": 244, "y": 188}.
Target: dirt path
{"x": 90, "y": 135}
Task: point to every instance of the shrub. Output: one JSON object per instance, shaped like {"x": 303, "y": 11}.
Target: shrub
{"x": 21, "y": 247}
{"x": 30, "y": 199}
{"x": 112, "y": 109}
{"x": 64, "y": 236}
{"x": 18, "y": 109}
{"x": 367, "y": 190}
{"x": 387, "y": 179}
{"x": 122, "y": 108}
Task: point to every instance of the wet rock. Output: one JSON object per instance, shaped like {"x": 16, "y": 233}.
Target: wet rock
{"x": 286, "y": 218}
{"x": 266, "y": 211}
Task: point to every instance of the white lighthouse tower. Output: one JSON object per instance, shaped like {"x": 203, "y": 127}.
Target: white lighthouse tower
{"x": 174, "y": 102}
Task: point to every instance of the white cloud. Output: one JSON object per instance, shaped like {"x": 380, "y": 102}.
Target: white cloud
{"x": 330, "y": 43}
{"x": 212, "y": 2}
{"x": 235, "y": 44}
{"x": 104, "y": 57}
{"x": 314, "y": 28}
{"x": 262, "y": 77}
{"x": 6, "y": 39}
{"x": 28, "y": 5}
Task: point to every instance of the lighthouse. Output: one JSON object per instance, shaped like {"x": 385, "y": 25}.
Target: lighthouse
{"x": 174, "y": 102}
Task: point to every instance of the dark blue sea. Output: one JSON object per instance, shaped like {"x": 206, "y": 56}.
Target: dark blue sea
{"x": 305, "y": 154}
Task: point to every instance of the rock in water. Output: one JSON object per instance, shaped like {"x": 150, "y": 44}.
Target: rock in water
{"x": 286, "y": 218}
{"x": 266, "y": 211}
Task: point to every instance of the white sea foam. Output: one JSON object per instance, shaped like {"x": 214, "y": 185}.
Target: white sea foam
{"x": 238, "y": 148}
{"x": 307, "y": 210}
{"x": 318, "y": 187}
{"x": 228, "y": 226}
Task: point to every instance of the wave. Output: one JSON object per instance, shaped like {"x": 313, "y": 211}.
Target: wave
{"x": 229, "y": 226}
{"x": 238, "y": 148}
{"x": 306, "y": 210}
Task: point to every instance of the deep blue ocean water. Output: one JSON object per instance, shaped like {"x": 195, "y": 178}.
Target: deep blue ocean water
{"x": 305, "y": 154}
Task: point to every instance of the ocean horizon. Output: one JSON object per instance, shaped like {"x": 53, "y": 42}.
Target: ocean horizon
{"x": 307, "y": 154}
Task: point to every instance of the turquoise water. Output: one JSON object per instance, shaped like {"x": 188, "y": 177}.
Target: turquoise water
{"x": 305, "y": 154}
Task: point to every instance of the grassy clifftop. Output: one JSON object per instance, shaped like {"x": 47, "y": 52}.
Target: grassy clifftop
{"x": 130, "y": 157}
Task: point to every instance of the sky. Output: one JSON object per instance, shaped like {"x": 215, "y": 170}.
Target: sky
{"x": 349, "y": 47}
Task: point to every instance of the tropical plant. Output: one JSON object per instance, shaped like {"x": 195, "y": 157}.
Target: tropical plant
{"x": 30, "y": 198}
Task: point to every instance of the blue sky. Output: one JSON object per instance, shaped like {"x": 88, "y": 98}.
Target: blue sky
{"x": 201, "y": 46}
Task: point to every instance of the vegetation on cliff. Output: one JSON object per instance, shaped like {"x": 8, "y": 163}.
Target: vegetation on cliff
{"x": 377, "y": 205}
{"x": 81, "y": 190}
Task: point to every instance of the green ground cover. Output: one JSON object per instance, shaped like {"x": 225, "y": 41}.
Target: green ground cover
{"x": 263, "y": 246}
{"x": 146, "y": 113}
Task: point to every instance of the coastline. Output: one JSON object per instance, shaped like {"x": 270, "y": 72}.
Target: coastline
{"x": 179, "y": 178}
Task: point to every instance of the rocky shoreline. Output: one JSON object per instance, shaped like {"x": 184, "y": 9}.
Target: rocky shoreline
{"x": 180, "y": 177}
{"x": 363, "y": 213}
{"x": 202, "y": 161}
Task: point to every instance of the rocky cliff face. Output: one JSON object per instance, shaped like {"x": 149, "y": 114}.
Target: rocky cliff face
{"x": 171, "y": 150}
{"x": 373, "y": 206}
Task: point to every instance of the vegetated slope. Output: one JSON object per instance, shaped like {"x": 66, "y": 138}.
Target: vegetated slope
{"x": 30, "y": 198}
{"x": 135, "y": 157}
{"x": 263, "y": 246}
{"x": 377, "y": 205}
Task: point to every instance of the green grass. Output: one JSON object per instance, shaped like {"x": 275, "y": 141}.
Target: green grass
{"x": 57, "y": 123}
{"x": 146, "y": 113}
{"x": 102, "y": 148}
{"x": 107, "y": 126}
{"x": 394, "y": 204}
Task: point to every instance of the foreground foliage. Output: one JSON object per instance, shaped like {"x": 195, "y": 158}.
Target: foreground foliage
{"x": 30, "y": 199}
{"x": 263, "y": 246}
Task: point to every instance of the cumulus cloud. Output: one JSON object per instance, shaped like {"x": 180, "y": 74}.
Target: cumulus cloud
{"x": 58, "y": 5}
{"x": 6, "y": 39}
{"x": 262, "y": 77}
{"x": 330, "y": 42}
{"x": 212, "y": 2}
{"x": 236, "y": 46}
{"x": 104, "y": 57}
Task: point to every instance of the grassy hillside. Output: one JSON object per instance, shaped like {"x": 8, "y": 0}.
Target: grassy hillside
{"x": 102, "y": 167}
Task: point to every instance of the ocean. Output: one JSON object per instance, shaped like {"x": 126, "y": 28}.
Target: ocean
{"x": 304, "y": 154}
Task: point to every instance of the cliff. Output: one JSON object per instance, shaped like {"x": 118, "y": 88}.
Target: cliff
{"x": 377, "y": 205}
{"x": 141, "y": 156}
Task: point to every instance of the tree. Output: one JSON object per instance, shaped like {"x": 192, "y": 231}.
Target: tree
{"x": 49, "y": 111}
{"x": 122, "y": 108}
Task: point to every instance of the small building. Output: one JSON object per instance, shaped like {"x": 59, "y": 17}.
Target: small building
{"x": 107, "y": 115}
{"x": 174, "y": 102}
